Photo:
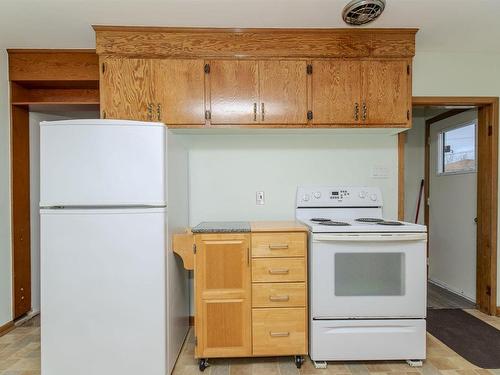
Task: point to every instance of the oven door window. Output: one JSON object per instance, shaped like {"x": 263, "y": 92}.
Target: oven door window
{"x": 369, "y": 274}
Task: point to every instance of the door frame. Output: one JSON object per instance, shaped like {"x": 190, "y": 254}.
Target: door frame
{"x": 49, "y": 77}
{"x": 487, "y": 188}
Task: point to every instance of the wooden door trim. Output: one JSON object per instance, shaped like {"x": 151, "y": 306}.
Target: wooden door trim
{"x": 489, "y": 122}
{"x": 6, "y": 328}
{"x": 49, "y": 77}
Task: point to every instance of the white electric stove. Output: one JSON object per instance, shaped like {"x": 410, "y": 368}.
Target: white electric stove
{"x": 367, "y": 277}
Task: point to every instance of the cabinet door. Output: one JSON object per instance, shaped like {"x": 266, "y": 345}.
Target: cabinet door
{"x": 234, "y": 93}
{"x": 386, "y": 88}
{"x": 336, "y": 92}
{"x": 283, "y": 92}
{"x": 223, "y": 290}
{"x": 180, "y": 91}
{"x": 127, "y": 89}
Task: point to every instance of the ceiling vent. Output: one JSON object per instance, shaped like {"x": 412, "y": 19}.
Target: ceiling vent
{"x": 359, "y": 12}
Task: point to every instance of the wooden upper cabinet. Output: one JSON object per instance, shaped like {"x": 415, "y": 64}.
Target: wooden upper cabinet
{"x": 223, "y": 295}
{"x": 180, "y": 91}
{"x": 234, "y": 92}
{"x": 283, "y": 92}
{"x": 126, "y": 88}
{"x": 387, "y": 92}
{"x": 336, "y": 91}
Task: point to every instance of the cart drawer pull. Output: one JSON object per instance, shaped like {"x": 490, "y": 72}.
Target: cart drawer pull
{"x": 279, "y": 298}
{"x": 279, "y": 271}
{"x": 278, "y": 246}
{"x": 279, "y": 334}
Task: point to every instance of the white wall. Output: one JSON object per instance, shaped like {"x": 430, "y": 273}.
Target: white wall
{"x": 5, "y": 234}
{"x": 227, "y": 170}
{"x": 415, "y": 167}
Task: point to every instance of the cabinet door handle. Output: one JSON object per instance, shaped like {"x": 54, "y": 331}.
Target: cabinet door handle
{"x": 263, "y": 111}
{"x": 279, "y": 334}
{"x": 150, "y": 112}
{"x": 356, "y": 111}
{"x": 365, "y": 111}
{"x": 278, "y": 246}
{"x": 279, "y": 271}
{"x": 279, "y": 298}
{"x": 158, "y": 111}
{"x": 255, "y": 111}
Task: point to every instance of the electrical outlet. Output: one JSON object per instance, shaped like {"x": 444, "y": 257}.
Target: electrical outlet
{"x": 380, "y": 171}
{"x": 259, "y": 198}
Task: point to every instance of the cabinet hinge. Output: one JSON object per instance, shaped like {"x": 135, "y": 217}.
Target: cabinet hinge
{"x": 408, "y": 69}
{"x": 488, "y": 290}
{"x": 207, "y": 68}
{"x": 103, "y": 67}
{"x": 309, "y": 115}
{"x": 104, "y": 114}
{"x": 309, "y": 69}
{"x": 408, "y": 114}
{"x": 196, "y": 341}
{"x": 490, "y": 130}
{"x": 194, "y": 248}
{"x": 208, "y": 115}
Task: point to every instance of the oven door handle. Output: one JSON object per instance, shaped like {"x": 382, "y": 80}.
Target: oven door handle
{"x": 401, "y": 237}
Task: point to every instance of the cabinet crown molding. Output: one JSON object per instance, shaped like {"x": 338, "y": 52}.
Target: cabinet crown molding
{"x": 139, "y": 41}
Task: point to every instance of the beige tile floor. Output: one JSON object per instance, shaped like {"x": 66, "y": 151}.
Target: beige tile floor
{"x": 20, "y": 355}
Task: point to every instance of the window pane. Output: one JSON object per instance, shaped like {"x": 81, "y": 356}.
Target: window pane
{"x": 459, "y": 149}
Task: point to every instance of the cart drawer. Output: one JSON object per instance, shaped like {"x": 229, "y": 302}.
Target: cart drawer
{"x": 279, "y": 295}
{"x": 280, "y": 331}
{"x": 278, "y": 270}
{"x": 278, "y": 245}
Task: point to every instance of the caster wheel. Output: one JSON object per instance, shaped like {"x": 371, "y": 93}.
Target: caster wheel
{"x": 203, "y": 364}
{"x": 299, "y": 360}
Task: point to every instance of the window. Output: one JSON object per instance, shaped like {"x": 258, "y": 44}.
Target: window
{"x": 457, "y": 149}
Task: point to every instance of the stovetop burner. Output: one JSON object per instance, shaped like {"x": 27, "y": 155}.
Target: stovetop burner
{"x": 334, "y": 223}
{"x": 319, "y": 219}
{"x": 395, "y": 223}
{"x": 369, "y": 220}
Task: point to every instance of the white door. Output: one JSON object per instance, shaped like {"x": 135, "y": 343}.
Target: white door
{"x": 368, "y": 275}
{"x": 102, "y": 163}
{"x": 453, "y": 204}
{"x": 103, "y": 292}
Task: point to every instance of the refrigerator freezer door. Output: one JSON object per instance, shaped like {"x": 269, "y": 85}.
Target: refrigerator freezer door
{"x": 102, "y": 163}
{"x": 103, "y": 292}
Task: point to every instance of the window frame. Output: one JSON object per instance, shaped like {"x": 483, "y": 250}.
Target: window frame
{"x": 440, "y": 170}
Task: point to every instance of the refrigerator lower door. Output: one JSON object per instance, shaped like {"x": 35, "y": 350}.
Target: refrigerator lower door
{"x": 103, "y": 294}
{"x": 102, "y": 163}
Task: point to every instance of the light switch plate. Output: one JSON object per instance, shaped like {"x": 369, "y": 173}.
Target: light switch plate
{"x": 259, "y": 198}
{"x": 380, "y": 171}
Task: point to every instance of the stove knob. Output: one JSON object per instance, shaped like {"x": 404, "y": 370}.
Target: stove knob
{"x": 305, "y": 197}
{"x": 362, "y": 194}
{"x": 317, "y": 195}
{"x": 373, "y": 197}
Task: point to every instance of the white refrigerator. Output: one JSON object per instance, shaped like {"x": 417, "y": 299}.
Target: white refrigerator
{"x": 114, "y": 298}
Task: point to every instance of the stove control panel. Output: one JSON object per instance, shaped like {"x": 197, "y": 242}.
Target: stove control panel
{"x": 339, "y": 197}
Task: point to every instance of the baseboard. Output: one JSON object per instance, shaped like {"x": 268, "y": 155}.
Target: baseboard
{"x": 6, "y": 328}
{"x": 191, "y": 321}
{"x": 28, "y": 316}
{"x": 452, "y": 290}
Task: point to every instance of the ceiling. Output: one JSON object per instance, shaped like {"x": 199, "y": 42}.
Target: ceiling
{"x": 445, "y": 25}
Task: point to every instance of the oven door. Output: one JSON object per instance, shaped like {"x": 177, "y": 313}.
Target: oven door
{"x": 368, "y": 275}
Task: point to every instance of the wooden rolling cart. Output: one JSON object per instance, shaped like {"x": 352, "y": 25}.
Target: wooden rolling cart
{"x": 250, "y": 291}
